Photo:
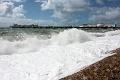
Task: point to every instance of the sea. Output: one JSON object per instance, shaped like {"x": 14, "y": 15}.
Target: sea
{"x": 51, "y": 54}
{"x": 13, "y": 34}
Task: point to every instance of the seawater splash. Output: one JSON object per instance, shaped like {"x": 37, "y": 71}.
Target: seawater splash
{"x": 33, "y": 42}
{"x": 71, "y": 36}
{"x": 54, "y": 57}
{"x": 112, "y": 33}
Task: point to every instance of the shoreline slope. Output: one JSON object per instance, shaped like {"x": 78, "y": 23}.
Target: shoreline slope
{"x": 106, "y": 69}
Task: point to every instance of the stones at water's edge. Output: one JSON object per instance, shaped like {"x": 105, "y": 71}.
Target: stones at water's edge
{"x": 106, "y": 69}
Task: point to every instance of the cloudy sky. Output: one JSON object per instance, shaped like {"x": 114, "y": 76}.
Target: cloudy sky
{"x": 59, "y": 12}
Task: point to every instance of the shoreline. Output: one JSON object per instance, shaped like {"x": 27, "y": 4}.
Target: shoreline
{"x": 106, "y": 69}
{"x": 68, "y": 27}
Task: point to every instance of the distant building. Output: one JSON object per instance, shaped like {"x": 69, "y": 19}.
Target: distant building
{"x": 91, "y": 25}
{"x": 110, "y": 25}
{"x": 98, "y": 25}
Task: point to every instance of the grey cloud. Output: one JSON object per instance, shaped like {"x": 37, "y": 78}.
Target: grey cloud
{"x": 106, "y": 14}
{"x": 62, "y": 8}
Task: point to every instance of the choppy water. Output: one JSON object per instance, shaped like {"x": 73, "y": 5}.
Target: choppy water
{"x": 21, "y": 33}
{"x": 51, "y": 54}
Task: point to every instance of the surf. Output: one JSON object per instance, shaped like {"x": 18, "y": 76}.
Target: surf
{"x": 54, "y": 57}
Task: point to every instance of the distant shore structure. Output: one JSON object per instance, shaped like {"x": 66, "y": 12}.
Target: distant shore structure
{"x": 98, "y": 25}
{"x": 82, "y": 26}
{"x": 24, "y": 26}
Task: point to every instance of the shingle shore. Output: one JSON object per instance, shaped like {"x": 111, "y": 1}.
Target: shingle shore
{"x": 106, "y": 69}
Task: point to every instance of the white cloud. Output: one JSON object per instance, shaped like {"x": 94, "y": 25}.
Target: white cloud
{"x": 5, "y": 8}
{"x": 62, "y": 8}
{"x": 12, "y": 0}
{"x": 106, "y": 14}
{"x": 17, "y": 12}
{"x": 65, "y": 5}
{"x": 12, "y": 11}
{"x": 11, "y": 21}
{"x": 9, "y": 9}
{"x": 7, "y": 21}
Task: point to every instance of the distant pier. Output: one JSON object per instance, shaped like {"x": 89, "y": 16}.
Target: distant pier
{"x": 64, "y": 27}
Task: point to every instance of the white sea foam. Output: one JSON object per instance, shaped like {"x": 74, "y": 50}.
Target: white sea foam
{"x": 71, "y": 36}
{"x": 51, "y": 59}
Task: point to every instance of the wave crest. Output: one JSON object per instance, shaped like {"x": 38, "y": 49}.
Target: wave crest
{"x": 71, "y": 36}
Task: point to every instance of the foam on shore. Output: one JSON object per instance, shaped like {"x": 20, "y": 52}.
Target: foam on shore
{"x": 51, "y": 59}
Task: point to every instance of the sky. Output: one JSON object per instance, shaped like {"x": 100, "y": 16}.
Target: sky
{"x": 59, "y": 12}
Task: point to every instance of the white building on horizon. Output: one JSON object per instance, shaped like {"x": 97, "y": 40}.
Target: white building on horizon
{"x": 98, "y": 25}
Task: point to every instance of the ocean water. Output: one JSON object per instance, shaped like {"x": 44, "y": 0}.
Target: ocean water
{"x": 51, "y": 54}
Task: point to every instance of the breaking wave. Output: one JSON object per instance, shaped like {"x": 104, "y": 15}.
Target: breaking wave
{"x": 72, "y": 36}
{"x": 30, "y": 42}
{"x": 55, "y": 56}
